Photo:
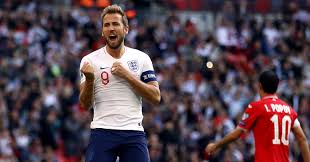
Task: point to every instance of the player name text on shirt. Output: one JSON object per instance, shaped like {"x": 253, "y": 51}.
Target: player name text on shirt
{"x": 278, "y": 108}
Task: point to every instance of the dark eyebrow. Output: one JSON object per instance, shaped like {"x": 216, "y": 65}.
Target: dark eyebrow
{"x": 115, "y": 22}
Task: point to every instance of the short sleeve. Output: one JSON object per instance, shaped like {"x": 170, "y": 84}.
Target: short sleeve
{"x": 249, "y": 117}
{"x": 82, "y": 76}
{"x": 148, "y": 73}
{"x": 296, "y": 123}
{"x": 294, "y": 117}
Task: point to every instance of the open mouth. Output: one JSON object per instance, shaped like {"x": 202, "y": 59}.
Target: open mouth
{"x": 112, "y": 37}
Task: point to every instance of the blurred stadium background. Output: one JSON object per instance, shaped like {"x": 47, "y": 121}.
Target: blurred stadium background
{"x": 43, "y": 41}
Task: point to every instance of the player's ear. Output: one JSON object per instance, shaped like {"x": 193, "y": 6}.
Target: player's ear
{"x": 126, "y": 29}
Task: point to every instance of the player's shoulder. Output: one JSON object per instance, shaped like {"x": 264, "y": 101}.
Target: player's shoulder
{"x": 92, "y": 55}
{"x": 254, "y": 104}
{"x": 281, "y": 102}
{"x": 137, "y": 53}
{"x": 254, "y": 107}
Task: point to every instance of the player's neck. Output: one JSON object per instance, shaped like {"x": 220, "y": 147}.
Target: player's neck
{"x": 267, "y": 95}
{"x": 116, "y": 53}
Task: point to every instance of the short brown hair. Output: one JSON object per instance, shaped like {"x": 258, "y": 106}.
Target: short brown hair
{"x": 112, "y": 9}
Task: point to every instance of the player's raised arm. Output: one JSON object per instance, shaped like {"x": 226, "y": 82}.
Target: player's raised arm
{"x": 87, "y": 85}
{"x": 301, "y": 140}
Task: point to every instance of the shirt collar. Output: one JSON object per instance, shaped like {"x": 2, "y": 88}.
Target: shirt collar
{"x": 270, "y": 96}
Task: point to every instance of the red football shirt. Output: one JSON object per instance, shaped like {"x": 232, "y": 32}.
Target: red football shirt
{"x": 271, "y": 120}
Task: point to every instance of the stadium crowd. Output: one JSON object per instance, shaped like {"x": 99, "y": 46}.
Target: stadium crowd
{"x": 41, "y": 46}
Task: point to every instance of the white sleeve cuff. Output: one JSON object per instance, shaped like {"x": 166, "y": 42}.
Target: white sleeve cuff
{"x": 296, "y": 123}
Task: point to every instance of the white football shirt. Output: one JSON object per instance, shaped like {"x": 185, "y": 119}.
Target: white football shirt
{"x": 116, "y": 105}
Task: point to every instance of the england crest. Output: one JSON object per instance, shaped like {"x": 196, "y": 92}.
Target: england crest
{"x": 133, "y": 65}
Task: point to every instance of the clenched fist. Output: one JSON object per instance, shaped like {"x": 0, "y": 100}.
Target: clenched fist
{"x": 88, "y": 71}
{"x": 210, "y": 148}
{"x": 119, "y": 70}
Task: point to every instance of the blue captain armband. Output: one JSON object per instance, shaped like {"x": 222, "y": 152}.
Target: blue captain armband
{"x": 148, "y": 76}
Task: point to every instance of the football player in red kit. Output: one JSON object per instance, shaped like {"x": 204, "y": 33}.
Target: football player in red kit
{"x": 271, "y": 121}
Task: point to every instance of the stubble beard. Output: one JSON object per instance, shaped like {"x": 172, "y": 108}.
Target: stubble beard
{"x": 118, "y": 43}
